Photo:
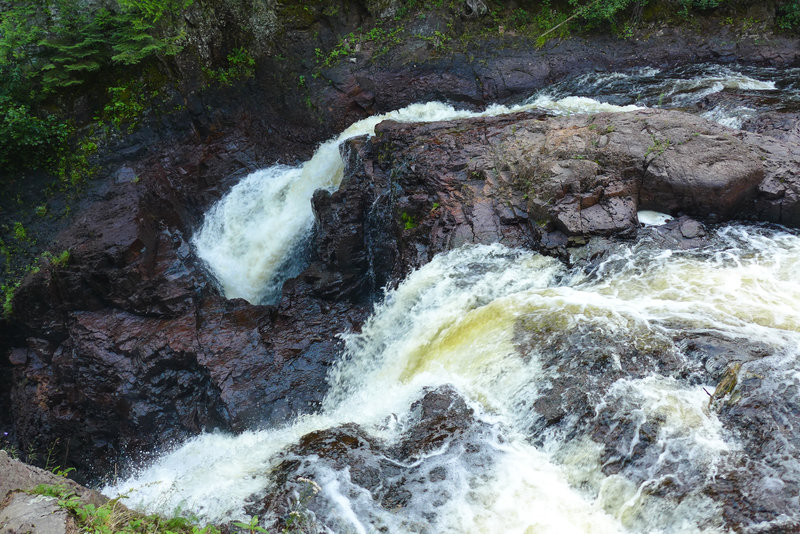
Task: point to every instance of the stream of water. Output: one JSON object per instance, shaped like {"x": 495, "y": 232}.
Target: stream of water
{"x": 586, "y": 389}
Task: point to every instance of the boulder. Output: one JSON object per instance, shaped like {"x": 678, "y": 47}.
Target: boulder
{"x": 402, "y": 475}
{"x": 532, "y": 180}
{"x": 22, "y": 514}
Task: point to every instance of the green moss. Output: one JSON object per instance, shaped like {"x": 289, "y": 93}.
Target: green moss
{"x": 8, "y": 291}
{"x": 241, "y": 66}
{"x": 383, "y": 38}
{"x": 409, "y": 222}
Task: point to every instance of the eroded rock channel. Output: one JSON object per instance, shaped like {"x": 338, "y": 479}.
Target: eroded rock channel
{"x": 482, "y": 331}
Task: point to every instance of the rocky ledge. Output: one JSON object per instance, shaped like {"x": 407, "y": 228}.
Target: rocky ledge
{"x": 128, "y": 346}
{"x": 24, "y": 509}
{"x": 532, "y": 180}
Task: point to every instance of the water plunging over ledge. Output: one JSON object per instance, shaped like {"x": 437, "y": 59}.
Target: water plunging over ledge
{"x": 251, "y": 239}
{"x": 573, "y": 400}
{"x": 503, "y": 327}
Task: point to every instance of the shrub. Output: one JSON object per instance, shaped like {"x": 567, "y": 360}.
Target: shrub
{"x": 27, "y": 140}
{"x": 789, "y": 15}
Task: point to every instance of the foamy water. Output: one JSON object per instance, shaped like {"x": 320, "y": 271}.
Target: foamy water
{"x": 454, "y": 322}
{"x": 248, "y": 238}
{"x": 501, "y": 327}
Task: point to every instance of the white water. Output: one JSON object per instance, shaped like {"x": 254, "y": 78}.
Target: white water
{"x": 251, "y": 238}
{"x": 247, "y": 238}
{"x": 672, "y": 89}
{"x": 484, "y": 320}
{"x": 454, "y": 322}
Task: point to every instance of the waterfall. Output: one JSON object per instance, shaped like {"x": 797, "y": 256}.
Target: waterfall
{"x": 247, "y": 239}
{"x": 586, "y": 406}
{"x": 484, "y": 319}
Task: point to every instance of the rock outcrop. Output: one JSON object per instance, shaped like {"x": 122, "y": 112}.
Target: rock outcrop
{"x": 22, "y": 512}
{"x": 416, "y": 472}
{"x": 129, "y": 346}
{"x": 527, "y": 179}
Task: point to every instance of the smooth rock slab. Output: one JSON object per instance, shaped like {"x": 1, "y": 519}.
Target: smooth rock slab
{"x": 37, "y": 514}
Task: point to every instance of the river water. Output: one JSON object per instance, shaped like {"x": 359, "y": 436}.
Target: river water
{"x": 496, "y": 390}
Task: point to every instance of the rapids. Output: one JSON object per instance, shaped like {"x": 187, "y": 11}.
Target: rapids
{"x": 587, "y": 387}
{"x": 251, "y": 255}
{"x": 491, "y": 321}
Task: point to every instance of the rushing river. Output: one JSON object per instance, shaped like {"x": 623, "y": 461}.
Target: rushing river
{"x": 574, "y": 399}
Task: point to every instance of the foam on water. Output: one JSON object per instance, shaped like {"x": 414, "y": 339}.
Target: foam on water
{"x": 251, "y": 240}
{"x": 458, "y": 321}
{"x": 453, "y": 322}
{"x": 683, "y": 88}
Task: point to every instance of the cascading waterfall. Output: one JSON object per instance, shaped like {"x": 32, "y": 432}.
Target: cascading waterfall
{"x": 585, "y": 385}
{"x": 248, "y": 237}
{"x": 251, "y": 238}
{"x": 481, "y": 318}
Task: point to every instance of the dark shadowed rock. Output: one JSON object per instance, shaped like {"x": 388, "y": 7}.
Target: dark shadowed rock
{"x": 129, "y": 347}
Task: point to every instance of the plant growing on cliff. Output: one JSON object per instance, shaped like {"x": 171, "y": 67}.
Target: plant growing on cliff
{"x": 241, "y": 66}
{"x": 28, "y": 140}
{"x": 8, "y": 291}
{"x": 128, "y": 102}
{"x": 409, "y": 223}
{"x": 658, "y": 147}
{"x": 789, "y": 15}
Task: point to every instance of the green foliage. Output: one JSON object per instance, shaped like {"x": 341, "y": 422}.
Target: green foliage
{"x": 28, "y": 140}
{"x": 352, "y": 42}
{"x": 438, "y": 39}
{"x": 8, "y": 291}
{"x": 789, "y": 15}
{"x": 250, "y": 527}
{"x": 241, "y": 66}
{"x": 658, "y": 147}
{"x": 154, "y": 10}
{"x": 47, "y": 45}
{"x": 409, "y": 223}
{"x": 113, "y": 518}
{"x": 59, "y": 260}
{"x": 126, "y": 105}
{"x": 20, "y": 234}
{"x": 15, "y": 276}
{"x": 599, "y": 10}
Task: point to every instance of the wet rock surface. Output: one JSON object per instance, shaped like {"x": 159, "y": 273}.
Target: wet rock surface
{"x": 131, "y": 338}
{"x": 529, "y": 180}
{"x": 407, "y": 474}
{"x": 128, "y": 346}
